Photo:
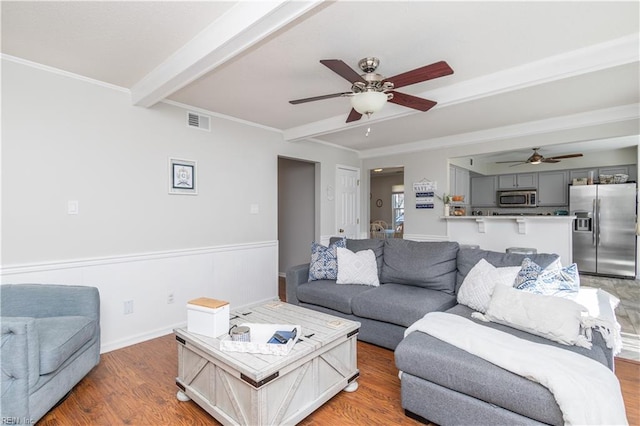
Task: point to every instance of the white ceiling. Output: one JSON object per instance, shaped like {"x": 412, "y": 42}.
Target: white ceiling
{"x": 564, "y": 70}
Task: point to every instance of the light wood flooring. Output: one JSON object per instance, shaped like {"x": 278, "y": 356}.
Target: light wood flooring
{"x": 136, "y": 386}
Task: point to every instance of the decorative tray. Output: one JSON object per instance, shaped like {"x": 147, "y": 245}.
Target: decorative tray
{"x": 260, "y": 334}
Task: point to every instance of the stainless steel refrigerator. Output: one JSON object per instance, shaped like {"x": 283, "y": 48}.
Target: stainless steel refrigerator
{"x": 604, "y": 232}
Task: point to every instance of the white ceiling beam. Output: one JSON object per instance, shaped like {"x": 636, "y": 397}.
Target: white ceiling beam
{"x": 624, "y": 113}
{"x": 244, "y": 25}
{"x": 606, "y": 55}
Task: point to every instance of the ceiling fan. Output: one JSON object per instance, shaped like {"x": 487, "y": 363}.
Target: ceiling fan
{"x": 537, "y": 158}
{"x": 370, "y": 91}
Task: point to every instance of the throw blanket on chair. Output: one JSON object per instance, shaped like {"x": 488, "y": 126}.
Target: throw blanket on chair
{"x": 586, "y": 391}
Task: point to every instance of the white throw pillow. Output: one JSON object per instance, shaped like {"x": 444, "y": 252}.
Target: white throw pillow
{"x": 554, "y": 318}
{"x": 477, "y": 287}
{"x": 357, "y": 268}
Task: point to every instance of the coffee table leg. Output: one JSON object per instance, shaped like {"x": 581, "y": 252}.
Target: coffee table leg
{"x": 351, "y": 387}
{"x": 182, "y": 396}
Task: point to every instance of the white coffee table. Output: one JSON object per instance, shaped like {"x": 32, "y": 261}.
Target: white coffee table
{"x": 239, "y": 388}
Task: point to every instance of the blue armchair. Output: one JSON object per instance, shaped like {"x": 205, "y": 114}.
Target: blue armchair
{"x": 50, "y": 341}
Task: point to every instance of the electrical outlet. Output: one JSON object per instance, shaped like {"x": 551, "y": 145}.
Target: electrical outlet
{"x": 128, "y": 307}
{"x": 170, "y": 298}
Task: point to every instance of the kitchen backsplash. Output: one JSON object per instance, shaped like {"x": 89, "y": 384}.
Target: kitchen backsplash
{"x": 488, "y": 211}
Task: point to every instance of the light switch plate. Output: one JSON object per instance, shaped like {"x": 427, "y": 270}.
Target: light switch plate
{"x": 72, "y": 207}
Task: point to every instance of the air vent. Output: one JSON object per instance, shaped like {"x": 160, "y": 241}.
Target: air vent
{"x": 199, "y": 121}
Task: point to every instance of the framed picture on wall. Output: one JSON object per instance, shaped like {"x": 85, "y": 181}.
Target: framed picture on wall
{"x": 182, "y": 177}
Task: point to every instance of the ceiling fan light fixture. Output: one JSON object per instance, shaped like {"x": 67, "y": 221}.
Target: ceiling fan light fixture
{"x": 368, "y": 102}
{"x": 535, "y": 162}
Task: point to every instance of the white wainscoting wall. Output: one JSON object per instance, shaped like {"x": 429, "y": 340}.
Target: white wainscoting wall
{"x": 243, "y": 275}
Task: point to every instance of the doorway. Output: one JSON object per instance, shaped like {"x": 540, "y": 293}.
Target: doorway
{"x": 386, "y": 201}
{"x": 296, "y": 212}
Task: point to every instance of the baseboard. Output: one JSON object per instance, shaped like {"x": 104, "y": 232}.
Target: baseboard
{"x": 139, "y": 338}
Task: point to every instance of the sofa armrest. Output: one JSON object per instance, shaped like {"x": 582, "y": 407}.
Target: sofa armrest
{"x": 49, "y": 300}
{"x": 296, "y": 275}
{"x": 20, "y": 365}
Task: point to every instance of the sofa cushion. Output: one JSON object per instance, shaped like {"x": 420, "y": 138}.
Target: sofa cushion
{"x": 330, "y": 295}
{"x": 400, "y": 304}
{"x": 467, "y": 259}
{"x": 375, "y": 244}
{"x": 61, "y": 337}
{"x": 420, "y": 263}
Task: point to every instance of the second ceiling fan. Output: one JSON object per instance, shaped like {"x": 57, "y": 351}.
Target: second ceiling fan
{"x": 370, "y": 91}
{"x": 537, "y": 158}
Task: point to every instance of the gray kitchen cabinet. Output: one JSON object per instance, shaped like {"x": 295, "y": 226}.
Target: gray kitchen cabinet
{"x": 630, "y": 170}
{"x": 553, "y": 189}
{"x": 483, "y": 191}
{"x": 518, "y": 181}
{"x": 582, "y": 174}
{"x": 459, "y": 182}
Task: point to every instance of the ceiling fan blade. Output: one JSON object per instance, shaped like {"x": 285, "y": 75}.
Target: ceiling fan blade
{"x": 343, "y": 70}
{"x": 318, "y": 98}
{"x": 550, "y": 160}
{"x": 560, "y": 157}
{"x": 353, "y": 116}
{"x": 428, "y": 72}
{"x": 519, "y": 163}
{"x": 412, "y": 101}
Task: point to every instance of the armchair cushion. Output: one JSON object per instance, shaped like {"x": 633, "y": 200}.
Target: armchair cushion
{"x": 60, "y": 337}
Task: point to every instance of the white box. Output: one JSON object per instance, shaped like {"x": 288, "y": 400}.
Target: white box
{"x": 209, "y": 317}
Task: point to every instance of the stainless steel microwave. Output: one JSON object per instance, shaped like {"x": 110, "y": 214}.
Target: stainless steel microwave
{"x": 517, "y": 198}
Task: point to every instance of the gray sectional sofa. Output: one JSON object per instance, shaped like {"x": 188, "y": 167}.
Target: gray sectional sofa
{"x": 440, "y": 383}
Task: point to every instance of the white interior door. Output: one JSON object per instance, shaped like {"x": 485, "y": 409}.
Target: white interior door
{"x": 347, "y": 201}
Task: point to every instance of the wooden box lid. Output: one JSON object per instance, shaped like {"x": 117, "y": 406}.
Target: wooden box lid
{"x": 208, "y": 302}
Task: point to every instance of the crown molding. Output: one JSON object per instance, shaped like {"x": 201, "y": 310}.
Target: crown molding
{"x": 63, "y": 73}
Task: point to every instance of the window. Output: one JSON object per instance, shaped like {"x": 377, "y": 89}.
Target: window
{"x": 397, "y": 204}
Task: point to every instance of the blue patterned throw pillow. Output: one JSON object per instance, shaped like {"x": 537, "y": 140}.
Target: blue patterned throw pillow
{"x": 324, "y": 260}
{"x": 528, "y": 274}
{"x": 552, "y": 281}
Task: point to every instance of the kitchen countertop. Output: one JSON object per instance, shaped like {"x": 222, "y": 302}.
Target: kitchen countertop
{"x": 510, "y": 217}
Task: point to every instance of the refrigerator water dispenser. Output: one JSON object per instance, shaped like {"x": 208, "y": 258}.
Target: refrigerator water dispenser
{"x": 583, "y": 222}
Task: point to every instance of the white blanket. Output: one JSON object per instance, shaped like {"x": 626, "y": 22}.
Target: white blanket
{"x": 601, "y": 316}
{"x": 587, "y": 392}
